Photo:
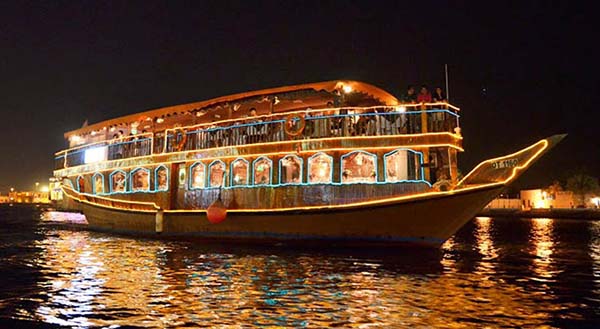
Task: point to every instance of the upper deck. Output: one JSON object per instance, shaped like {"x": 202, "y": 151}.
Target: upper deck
{"x": 330, "y": 111}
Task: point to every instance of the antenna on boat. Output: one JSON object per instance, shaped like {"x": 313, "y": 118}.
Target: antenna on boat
{"x": 447, "y": 90}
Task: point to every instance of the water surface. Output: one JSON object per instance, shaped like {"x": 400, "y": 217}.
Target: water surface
{"x": 495, "y": 272}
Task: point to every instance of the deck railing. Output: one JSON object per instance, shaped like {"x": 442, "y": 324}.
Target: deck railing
{"x": 323, "y": 123}
{"x": 121, "y": 148}
{"x": 347, "y": 122}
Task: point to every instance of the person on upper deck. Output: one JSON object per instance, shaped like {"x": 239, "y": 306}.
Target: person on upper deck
{"x": 255, "y": 131}
{"x": 410, "y": 96}
{"x": 439, "y": 96}
{"x": 424, "y": 95}
{"x": 439, "y": 118}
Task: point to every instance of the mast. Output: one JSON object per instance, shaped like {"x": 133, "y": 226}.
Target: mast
{"x": 447, "y": 90}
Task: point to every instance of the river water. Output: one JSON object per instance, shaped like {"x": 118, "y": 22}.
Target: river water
{"x": 495, "y": 272}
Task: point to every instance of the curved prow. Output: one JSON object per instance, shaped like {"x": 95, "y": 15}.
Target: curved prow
{"x": 505, "y": 169}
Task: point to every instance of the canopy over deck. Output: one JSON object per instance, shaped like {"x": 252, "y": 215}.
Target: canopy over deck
{"x": 327, "y": 86}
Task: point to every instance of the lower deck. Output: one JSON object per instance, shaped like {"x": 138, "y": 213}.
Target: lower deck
{"x": 270, "y": 180}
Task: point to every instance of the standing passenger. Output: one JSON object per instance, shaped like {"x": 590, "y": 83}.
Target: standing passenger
{"x": 438, "y": 96}
{"x": 425, "y": 97}
{"x": 255, "y": 129}
{"x": 439, "y": 117}
{"x": 410, "y": 97}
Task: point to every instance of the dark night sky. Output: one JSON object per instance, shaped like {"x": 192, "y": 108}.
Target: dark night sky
{"x": 520, "y": 72}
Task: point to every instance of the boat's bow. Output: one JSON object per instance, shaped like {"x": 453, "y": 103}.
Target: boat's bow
{"x": 504, "y": 170}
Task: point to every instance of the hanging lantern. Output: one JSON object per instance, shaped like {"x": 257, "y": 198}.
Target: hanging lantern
{"x": 216, "y": 212}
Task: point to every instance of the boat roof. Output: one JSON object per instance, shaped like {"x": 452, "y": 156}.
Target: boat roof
{"x": 329, "y": 86}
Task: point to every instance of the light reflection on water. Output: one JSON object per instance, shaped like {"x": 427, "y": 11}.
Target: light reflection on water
{"x": 494, "y": 272}
{"x": 594, "y": 252}
{"x": 485, "y": 245}
{"x": 542, "y": 241}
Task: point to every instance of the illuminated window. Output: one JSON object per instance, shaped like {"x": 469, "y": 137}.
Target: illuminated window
{"x": 161, "y": 178}
{"x": 197, "y": 175}
{"x": 81, "y": 184}
{"x": 262, "y": 171}
{"x": 217, "y": 173}
{"x": 98, "y": 183}
{"x": 403, "y": 164}
{"x": 320, "y": 169}
{"x": 290, "y": 169}
{"x": 118, "y": 181}
{"x": 239, "y": 172}
{"x": 140, "y": 179}
{"x": 359, "y": 167}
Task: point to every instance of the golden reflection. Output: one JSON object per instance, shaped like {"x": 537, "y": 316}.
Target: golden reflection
{"x": 542, "y": 243}
{"x": 485, "y": 245}
{"x": 448, "y": 261}
{"x": 595, "y": 253}
{"x": 98, "y": 280}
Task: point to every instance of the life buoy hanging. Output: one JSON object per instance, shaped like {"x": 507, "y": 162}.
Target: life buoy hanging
{"x": 178, "y": 146}
{"x": 292, "y": 128}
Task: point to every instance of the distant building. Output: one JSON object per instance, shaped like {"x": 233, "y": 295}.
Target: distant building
{"x": 26, "y": 197}
{"x": 542, "y": 199}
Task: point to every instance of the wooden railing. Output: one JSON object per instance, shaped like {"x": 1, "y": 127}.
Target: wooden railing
{"x": 109, "y": 202}
{"x": 299, "y": 125}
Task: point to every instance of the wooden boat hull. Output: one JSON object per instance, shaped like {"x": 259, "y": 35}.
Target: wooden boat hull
{"x": 427, "y": 218}
{"x": 429, "y": 221}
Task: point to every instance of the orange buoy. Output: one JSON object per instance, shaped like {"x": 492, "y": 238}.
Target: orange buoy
{"x": 216, "y": 212}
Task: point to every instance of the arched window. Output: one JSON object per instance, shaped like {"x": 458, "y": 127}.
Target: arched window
{"x": 98, "y": 183}
{"x": 161, "y": 178}
{"x": 118, "y": 181}
{"x": 217, "y": 173}
{"x": 403, "y": 164}
{"x": 359, "y": 167}
{"x": 290, "y": 169}
{"x": 80, "y": 184}
{"x": 262, "y": 168}
{"x": 197, "y": 175}
{"x": 140, "y": 179}
{"x": 239, "y": 172}
{"x": 320, "y": 169}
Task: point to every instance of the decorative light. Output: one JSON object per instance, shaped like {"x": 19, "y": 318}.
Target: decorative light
{"x": 347, "y": 89}
{"x": 45, "y": 189}
{"x": 66, "y": 171}
{"x": 401, "y": 109}
{"x": 542, "y": 145}
{"x": 160, "y": 120}
{"x": 95, "y": 154}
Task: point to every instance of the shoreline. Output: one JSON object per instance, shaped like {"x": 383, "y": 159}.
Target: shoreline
{"x": 576, "y": 213}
